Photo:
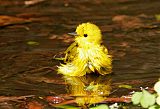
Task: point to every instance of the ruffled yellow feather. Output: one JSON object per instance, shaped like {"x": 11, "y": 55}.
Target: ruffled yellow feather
{"x": 86, "y": 54}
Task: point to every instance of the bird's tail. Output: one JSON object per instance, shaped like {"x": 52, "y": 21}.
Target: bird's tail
{"x": 75, "y": 68}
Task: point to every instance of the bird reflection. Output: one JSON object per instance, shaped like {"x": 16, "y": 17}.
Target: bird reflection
{"x": 88, "y": 89}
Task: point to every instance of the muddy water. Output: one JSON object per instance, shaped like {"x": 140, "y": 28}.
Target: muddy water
{"x": 135, "y": 51}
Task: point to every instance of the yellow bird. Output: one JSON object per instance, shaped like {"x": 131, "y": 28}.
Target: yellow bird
{"x": 86, "y": 54}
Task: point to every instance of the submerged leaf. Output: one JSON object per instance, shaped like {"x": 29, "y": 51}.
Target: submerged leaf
{"x": 125, "y": 86}
{"x": 102, "y": 106}
{"x": 127, "y": 22}
{"x": 157, "y": 17}
{"x": 92, "y": 87}
{"x": 67, "y": 107}
{"x": 32, "y": 43}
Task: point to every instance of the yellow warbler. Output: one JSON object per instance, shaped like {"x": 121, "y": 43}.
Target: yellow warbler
{"x": 86, "y": 54}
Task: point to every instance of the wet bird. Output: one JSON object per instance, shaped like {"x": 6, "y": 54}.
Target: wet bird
{"x": 87, "y": 54}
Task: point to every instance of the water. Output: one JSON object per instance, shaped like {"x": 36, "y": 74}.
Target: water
{"x": 135, "y": 51}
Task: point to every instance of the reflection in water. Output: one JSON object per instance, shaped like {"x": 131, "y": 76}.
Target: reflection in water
{"x": 89, "y": 89}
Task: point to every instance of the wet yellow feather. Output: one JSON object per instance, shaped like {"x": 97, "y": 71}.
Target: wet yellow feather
{"x": 86, "y": 54}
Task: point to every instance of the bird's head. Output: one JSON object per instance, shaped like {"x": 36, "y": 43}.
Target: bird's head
{"x": 89, "y": 33}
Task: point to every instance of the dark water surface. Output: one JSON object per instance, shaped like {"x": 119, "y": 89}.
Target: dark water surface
{"x": 135, "y": 50}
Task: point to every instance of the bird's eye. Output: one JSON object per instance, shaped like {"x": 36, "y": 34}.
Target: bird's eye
{"x": 85, "y": 35}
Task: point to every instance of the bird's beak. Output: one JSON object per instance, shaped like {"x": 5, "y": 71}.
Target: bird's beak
{"x": 73, "y": 34}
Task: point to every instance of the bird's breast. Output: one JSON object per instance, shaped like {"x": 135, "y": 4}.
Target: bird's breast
{"x": 89, "y": 52}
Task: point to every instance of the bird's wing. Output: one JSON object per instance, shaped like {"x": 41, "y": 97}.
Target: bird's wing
{"x": 101, "y": 60}
{"x": 71, "y": 52}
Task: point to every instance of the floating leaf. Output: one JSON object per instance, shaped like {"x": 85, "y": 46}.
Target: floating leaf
{"x": 32, "y": 43}
{"x": 157, "y": 87}
{"x": 136, "y": 97}
{"x": 158, "y": 100}
{"x": 147, "y": 99}
{"x": 67, "y": 107}
{"x": 144, "y": 98}
{"x": 102, "y": 106}
{"x": 125, "y": 86}
{"x": 154, "y": 107}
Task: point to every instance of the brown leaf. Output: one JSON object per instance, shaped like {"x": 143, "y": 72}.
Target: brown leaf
{"x": 54, "y": 99}
{"x": 107, "y": 28}
{"x": 65, "y": 38}
{"x": 119, "y": 35}
{"x": 127, "y": 22}
{"x": 124, "y": 44}
{"x": 53, "y": 37}
{"x": 6, "y": 105}
{"x": 35, "y": 105}
{"x": 44, "y": 79}
{"x": 13, "y": 98}
{"x": 10, "y": 20}
{"x": 32, "y": 2}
